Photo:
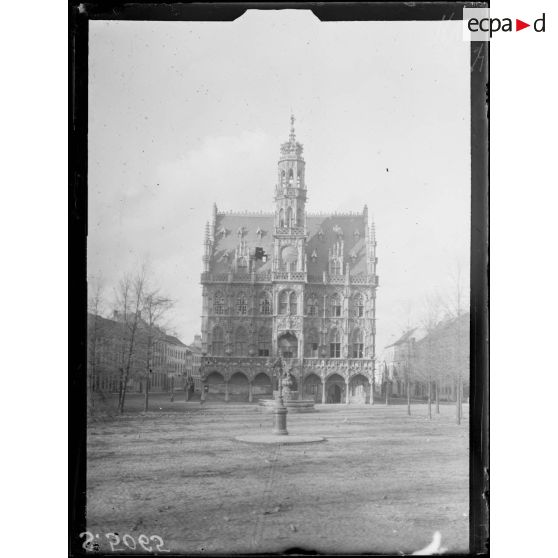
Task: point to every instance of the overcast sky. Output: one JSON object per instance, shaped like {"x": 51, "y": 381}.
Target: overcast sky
{"x": 184, "y": 114}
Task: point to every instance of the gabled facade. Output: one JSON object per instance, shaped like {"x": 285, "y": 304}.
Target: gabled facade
{"x": 294, "y": 284}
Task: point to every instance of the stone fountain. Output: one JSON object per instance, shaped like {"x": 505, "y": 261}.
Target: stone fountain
{"x": 290, "y": 396}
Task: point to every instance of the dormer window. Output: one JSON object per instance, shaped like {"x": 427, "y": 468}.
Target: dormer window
{"x": 338, "y": 231}
{"x": 240, "y": 232}
{"x": 259, "y": 233}
{"x": 321, "y": 234}
{"x": 314, "y": 256}
{"x": 222, "y": 232}
{"x": 356, "y": 234}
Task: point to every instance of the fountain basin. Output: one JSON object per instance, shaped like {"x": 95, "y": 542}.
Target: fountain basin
{"x": 293, "y": 405}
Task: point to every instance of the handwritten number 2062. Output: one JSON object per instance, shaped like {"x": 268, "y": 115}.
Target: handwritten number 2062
{"x": 129, "y": 542}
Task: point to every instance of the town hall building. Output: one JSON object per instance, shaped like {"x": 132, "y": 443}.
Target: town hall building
{"x": 292, "y": 284}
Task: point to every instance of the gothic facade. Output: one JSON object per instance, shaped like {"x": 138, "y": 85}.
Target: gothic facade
{"x": 294, "y": 284}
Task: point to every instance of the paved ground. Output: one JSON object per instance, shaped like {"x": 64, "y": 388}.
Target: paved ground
{"x": 382, "y": 481}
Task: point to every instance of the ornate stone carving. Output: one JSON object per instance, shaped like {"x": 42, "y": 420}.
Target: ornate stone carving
{"x": 289, "y": 322}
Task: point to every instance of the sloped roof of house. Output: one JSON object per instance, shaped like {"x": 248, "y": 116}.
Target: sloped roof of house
{"x": 403, "y": 339}
{"x": 446, "y": 326}
{"x": 108, "y": 327}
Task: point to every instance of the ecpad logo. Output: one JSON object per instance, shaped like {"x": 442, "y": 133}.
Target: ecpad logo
{"x": 479, "y": 26}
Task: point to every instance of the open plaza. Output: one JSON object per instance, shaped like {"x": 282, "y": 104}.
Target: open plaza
{"x": 382, "y": 481}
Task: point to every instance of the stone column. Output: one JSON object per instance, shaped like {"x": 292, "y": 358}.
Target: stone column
{"x": 323, "y": 390}
{"x": 226, "y": 391}
{"x": 347, "y": 381}
{"x": 249, "y": 392}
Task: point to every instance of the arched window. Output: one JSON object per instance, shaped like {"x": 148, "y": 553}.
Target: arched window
{"x": 289, "y": 217}
{"x": 292, "y": 303}
{"x": 219, "y": 303}
{"x": 336, "y": 305}
{"x": 240, "y": 342}
{"x": 217, "y": 345}
{"x": 281, "y": 218}
{"x": 299, "y": 217}
{"x": 298, "y": 175}
{"x": 265, "y": 304}
{"x": 334, "y": 343}
{"x": 241, "y": 305}
{"x": 358, "y": 305}
{"x": 312, "y": 306}
{"x": 264, "y": 342}
{"x": 358, "y": 344}
{"x": 284, "y": 302}
{"x": 312, "y": 343}
{"x": 291, "y": 176}
{"x": 282, "y": 177}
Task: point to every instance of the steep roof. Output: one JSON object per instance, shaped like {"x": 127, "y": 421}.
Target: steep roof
{"x": 403, "y": 339}
{"x": 349, "y": 224}
{"x": 250, "y": 223}
{"x": 353, "y": 227}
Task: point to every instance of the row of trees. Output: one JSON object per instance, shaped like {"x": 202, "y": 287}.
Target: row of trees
{"x": 141, "y": 312}
{"x": 440, "y": 355}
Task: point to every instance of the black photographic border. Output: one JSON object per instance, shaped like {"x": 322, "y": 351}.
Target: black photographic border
{"x": 78, "y": 37}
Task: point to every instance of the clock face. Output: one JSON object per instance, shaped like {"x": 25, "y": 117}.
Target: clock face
{"x": 289, "y": 254}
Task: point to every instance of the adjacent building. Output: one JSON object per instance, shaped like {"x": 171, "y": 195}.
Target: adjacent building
{"x": 108, "y": 347}
{"x": 440, "y": 356}
{"x": 294, "y": 284}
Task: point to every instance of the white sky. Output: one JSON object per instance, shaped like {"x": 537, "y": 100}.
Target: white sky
{"x": 182, "y": 114}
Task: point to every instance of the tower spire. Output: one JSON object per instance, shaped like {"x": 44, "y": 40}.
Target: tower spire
{"x": 292, "y": 134}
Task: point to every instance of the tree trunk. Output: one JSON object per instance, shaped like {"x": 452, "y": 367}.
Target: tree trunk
{"x": 437, "y": 388}
{"x": 458, "y": 402}
{"x": 408, "y": 397}
{"x": 429, "y": 399}
{"x": 120, "y": 388}
{"x": 387, "y": 393}
{"x": 146, "y": 401}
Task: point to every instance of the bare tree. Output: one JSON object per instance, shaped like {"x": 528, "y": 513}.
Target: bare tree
{"x": 428, "y": 357}
{"x": 130, "y": 295}
{"x": 456, "y": 304}
{"x": 408, "y": 370}
{"x": 387, "y": 382}
{"x": 94, "y": 325}
{"x": 155, "y": 307}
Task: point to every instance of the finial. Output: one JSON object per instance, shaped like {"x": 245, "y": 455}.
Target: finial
{"x": 292, "y": 135}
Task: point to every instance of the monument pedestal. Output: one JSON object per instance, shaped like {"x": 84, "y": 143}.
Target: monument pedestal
{"x": 280, "y": 418}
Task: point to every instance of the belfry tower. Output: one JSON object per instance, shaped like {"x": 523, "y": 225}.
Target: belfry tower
{"x": 290, "y": 208}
